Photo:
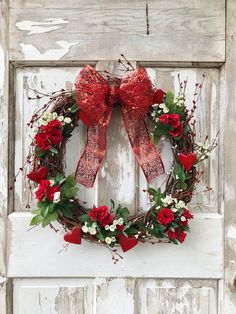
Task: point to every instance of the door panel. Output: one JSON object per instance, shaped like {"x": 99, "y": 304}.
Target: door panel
{"x": 143, "y": 30}
{"x": 101, "y": 295}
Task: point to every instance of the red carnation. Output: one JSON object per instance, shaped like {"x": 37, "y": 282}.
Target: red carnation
{"x": 177, "y": 131}
{"x": 55, "y": 136}
{"x": 50, "y": 192}
{"x": 187, "y": 214}
{"x": 174, "y": 120}
{"x": 101, "y": 214}
{"x": 45, "y": 190}
{"x": 41, "y": 191}
{"x": 164, "y": 118}
{"x": 165, "y": 216}
{"x": 172, "y": 234}
{"x": 158, "y": 96}
{"x": 41, "y": 140}
{"x": 55, "y": 124}
{"x": 182, "y": 236}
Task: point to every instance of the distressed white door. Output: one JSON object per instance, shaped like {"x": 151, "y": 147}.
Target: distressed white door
{"x": 44, "y": 44}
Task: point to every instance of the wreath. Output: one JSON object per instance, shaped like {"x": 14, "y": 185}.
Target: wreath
{"x": 92, "y": 101}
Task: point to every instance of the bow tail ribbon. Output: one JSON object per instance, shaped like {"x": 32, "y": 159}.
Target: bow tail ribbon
{"x": 144, "y": 150}
{"x": 94, "y": 151}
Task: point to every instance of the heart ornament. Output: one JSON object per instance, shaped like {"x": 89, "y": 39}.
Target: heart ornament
{"x": 187, "y": 160}
{"x": 73, "y": 236}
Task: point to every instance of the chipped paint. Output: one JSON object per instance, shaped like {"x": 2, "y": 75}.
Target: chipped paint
{"x": 34, "y": 27}
{"x": 231, "y": 232}
{"x": 33, "y": 53}
{"x": 2, "y": 70}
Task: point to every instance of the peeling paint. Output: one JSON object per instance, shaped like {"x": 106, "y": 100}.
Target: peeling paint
{"x": 231, "y": 232}
{"x": 32, "y": 53}
{"x": 33, "y": 27}
{"x": 2, "y": 69}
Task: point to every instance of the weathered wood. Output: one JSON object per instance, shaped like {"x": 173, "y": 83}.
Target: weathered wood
{"x": 230, "y": 169}
{"x": 57, "y": 296}
{"x": 34, "y": 253}
{"x": 115, "y": 295}
{"x": 3, "y": 148}
{"x": 101, "y": 30}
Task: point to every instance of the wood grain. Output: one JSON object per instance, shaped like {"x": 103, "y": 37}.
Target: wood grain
{"x": 101, "y": 30}
{"x": 228, "y": 122}
{"x": 4, "y": 68}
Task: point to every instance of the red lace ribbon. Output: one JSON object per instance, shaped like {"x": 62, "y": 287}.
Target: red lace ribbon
{"x": 95, "y": 98}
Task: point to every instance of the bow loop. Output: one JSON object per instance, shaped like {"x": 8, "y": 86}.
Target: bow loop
{"x": 136, "y": 92}
{"x": 92, "y": 91}
{"x": 95, "y": 98}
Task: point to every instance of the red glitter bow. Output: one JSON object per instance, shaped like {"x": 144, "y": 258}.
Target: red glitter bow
{"x": 95, "y": 97}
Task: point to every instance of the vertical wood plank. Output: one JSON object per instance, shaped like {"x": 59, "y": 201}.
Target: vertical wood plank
{"x": 3, "y": 148}
{"x": 230, "y": 167}
{"x": 117, "y": 175}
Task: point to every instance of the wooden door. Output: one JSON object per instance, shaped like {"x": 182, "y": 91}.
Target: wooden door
{"x": 44, "y": 44}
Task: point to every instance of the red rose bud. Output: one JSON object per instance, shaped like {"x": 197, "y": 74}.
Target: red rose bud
{"x": 177, "y": 131}
{"x": 158, "y": 96}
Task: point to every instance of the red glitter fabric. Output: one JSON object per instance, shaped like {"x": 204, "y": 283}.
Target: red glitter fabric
{"x": 95, "y": 98}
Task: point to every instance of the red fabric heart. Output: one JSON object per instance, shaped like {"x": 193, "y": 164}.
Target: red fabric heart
{"x": 127, "y": 243}
{"x": 38, "y": 175}
{"x": 73, "y": 236}
{"x": 187, "y": 160}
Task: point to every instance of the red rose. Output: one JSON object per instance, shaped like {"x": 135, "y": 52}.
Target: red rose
{"x": 158, "y": 96}
{"x": 165, "y": 216}
{"x": 101, "y": 214}
{"x": 183, "y": 223}
{"x": 55, "y": 124}
{"x": 182, "y": 236}
{"x": 177, "y": 131}
{"x": 174, "y": 120}
{"x": 186, "y": 213}
{"x": 41, "y": 140}
{"x": 93, "y": 214}
{"x": 50, "y": 192}
{"x": 55, "y": 136}
{"x": 41, "y": 191}
{"x": 172, "y": 234}
{"x": 164, "y": 118}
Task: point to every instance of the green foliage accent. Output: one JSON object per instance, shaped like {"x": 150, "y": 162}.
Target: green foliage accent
{"x": 122, "y": 212}
{"x": 182, "y": 175}
{"x": 169, "y": 99}
{"x": 69, "y": 188}
{"x": 53, "y": 150}
{"x": 36, "y": 220}
{"x": 74, "y": 108}
{"x": 84, "y": 218}
{"x": 157, "y": 196}
{"x": 60, "y": 178}
{"x": 39, "y": 152}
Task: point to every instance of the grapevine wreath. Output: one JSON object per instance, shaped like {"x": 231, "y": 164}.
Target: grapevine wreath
{"x": 92, "y": 101}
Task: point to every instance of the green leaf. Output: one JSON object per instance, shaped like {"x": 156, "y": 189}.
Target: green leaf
{"x": 36, "y": 211}
{"x": 39, "y": 152}
{"x": 49, "y": 218}
{"x": 100, "y": 235}
{"x": 45, "y": 211}
{"x": 122, "y": 212}
{"x": 36, "y": 220}
{"x": 84, "y": 218}
{"x": 60, "y": 177}
{"x": 71, "y": 192}
{"x": 157, "y": 196}
{"x": 74, "y": 108}
{"x": 169, "y": 99}
{"x": 53, "y": 150}
{"x": 67, "y": 212}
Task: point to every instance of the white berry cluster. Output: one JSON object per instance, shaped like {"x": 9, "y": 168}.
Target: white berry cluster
{"x": 50, "y": 116}
{"x": 115, "y": 222}
{"x": 179, "y": 100}
{"x": 158, "y": 109}
{"x": 176, "y": 205}
{"x": 92, "y": 229}
{"x": 203, "y": 151}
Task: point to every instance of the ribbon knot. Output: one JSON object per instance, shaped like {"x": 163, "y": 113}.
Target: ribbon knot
{"x": 95, "y": 98}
